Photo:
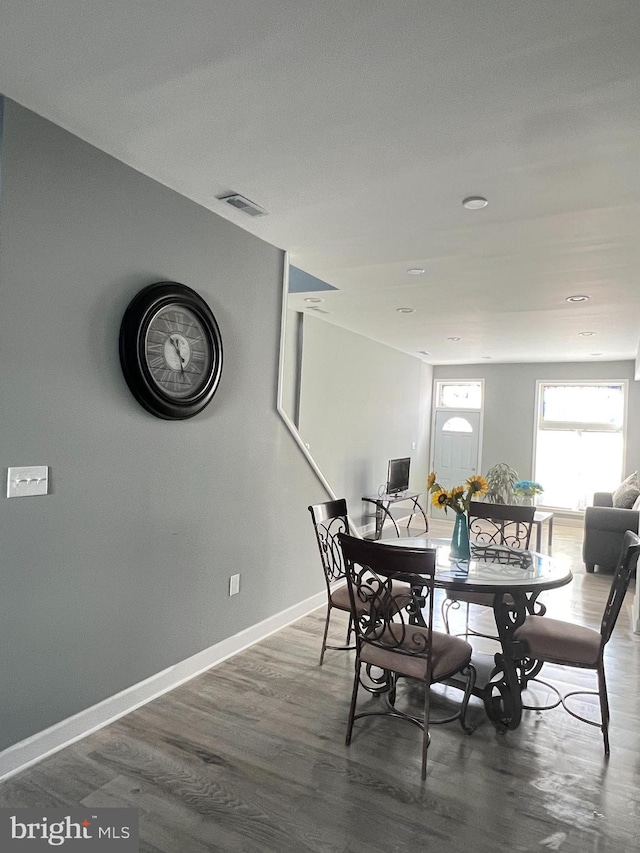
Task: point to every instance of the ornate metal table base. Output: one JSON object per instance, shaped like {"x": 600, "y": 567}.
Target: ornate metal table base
{"x": 502, "y": 695}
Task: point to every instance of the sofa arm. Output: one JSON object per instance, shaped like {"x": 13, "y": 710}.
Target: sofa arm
{"x": 603, "y": 499}
{"x": 604, "y": 529}
{"x": 611, "y": 518}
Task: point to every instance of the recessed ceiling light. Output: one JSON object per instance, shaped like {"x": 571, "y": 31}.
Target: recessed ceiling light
{"x": 595, "y": 353}
{"x": 405, "y": 310}
{"x": 474, "y": 202}
{"x": 319, "y": 309}
{"x": 415, "y": 271}
{"x": 579, "y": 298}
{"x": 485, "y": 357}
{"x": 313, "y": 299}
{"x": 453, "y": 339}
{"x": 423, "y": 352}
{"x": 586, "y": 334}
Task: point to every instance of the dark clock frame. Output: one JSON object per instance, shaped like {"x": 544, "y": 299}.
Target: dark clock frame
{"x": 133, "y": 330}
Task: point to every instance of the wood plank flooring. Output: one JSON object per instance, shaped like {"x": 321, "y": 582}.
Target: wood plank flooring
{"x": 250, "y": 757}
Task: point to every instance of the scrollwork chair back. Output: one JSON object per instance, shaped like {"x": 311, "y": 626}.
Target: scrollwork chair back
{"x": 329, "y": 519}
{"x": 501, "y": 524}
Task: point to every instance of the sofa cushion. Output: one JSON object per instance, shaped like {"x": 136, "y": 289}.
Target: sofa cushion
{"x": 625, "y": 495}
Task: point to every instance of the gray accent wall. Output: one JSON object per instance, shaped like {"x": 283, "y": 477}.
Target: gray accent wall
{"x": 123, "y": 569}
{"x": 362, "y": 403}
{"x": 510, "y": 405}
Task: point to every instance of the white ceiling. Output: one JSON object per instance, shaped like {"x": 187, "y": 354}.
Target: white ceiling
{"x": 360, "y": 126}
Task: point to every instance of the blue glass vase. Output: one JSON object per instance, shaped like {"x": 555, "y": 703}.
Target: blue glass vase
{"x": 460, "y": 549}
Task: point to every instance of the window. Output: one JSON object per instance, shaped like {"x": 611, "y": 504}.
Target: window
{"x": 596, "y": 408}
{"x": 579, "y": 441}
{"x": 457, "y": 425}
{"x": 459, "y": 395}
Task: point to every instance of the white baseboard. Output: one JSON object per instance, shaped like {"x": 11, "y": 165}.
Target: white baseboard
{"x": 33, "y": 749}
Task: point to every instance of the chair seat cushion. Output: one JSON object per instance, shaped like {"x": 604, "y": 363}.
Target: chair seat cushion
{"x": 483, "y": 598}
{"x": 559, "y": 642}
{"x": 340, "y": 595}
{"x": 449, "y": 654}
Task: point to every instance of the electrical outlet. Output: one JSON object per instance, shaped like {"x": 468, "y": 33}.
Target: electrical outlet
{"x": 234, "y": 584}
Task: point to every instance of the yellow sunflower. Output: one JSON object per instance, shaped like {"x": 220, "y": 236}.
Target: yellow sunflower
{"x": 477, "y": 485}
{"x": 440, "y": 498}
{"x": 431, "y": 480}
{"x": 457, "y": 492}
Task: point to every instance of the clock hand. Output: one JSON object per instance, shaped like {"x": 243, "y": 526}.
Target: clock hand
{"x": 177, "y": 349}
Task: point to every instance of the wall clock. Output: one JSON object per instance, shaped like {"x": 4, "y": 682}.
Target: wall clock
{"x": 170, "y": 350}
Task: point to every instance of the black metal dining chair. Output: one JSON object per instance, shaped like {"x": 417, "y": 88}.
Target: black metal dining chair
{"x": 394, "y": 632}
{"x": 501, "y": 524}
{"x": 491, "y": 524}
{"x": 546, "y": 640}
{"x": 329, "y": 519}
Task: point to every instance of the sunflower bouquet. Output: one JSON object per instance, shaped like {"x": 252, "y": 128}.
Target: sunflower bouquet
{"x": 458, "y": 498}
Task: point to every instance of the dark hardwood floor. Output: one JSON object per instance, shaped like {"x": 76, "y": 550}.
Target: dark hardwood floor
{"x": 250, "y": 757}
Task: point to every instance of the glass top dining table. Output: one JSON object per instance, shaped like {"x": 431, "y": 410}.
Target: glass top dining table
{"x": 492, "y": 568}
{"x": 515, "y": 578}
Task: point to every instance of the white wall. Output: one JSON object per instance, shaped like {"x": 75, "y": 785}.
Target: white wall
{"x": 362, "y": 403}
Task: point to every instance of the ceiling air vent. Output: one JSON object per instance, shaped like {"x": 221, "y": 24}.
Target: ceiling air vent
{"x": 243, "y": 204}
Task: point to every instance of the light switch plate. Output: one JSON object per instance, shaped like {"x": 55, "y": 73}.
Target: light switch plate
{"x": 234, "y": 584}
{"x": 27, "y": 481}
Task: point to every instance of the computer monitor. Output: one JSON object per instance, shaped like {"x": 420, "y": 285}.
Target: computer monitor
{"x": 398, "y": 475}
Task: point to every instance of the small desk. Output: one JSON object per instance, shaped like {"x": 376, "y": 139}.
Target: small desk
{"x": 382, "y": 504}
{"x": 516, "y": 579}
{"x": 539, "y": 519}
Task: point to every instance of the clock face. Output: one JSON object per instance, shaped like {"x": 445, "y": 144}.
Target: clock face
{"x": 170, "y": 350}
{"x": 177, "y": 351}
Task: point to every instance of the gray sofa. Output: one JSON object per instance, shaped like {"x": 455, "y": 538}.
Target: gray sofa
{"x": 604, "y": 527}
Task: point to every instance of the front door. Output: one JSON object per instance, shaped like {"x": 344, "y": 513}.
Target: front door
{"x": 456, "y": 446}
